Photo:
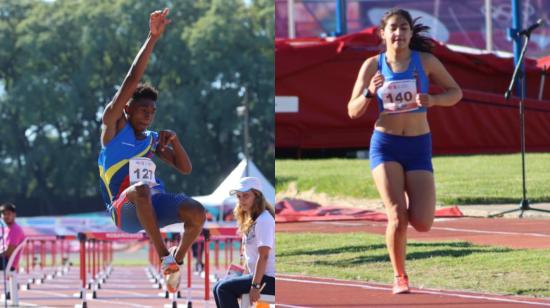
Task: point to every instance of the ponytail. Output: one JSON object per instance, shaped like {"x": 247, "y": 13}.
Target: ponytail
{"x": 419, "y": 41}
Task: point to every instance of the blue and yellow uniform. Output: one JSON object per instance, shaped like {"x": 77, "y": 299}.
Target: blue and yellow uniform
{"x": 412, "y": 152}
{"x": 113, "y": 164}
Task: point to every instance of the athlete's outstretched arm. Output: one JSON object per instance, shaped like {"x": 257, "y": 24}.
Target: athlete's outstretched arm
{"x": 175, "y": 155}
{"x": 114, "y": 110}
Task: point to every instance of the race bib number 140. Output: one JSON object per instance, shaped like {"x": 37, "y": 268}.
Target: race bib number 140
{"x": 399, "y": 96}
{"x": 142, "y": 169}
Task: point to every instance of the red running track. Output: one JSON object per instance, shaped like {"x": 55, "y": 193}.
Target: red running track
{"x": 513, "y": 233}
{"x": 312, "y": 292}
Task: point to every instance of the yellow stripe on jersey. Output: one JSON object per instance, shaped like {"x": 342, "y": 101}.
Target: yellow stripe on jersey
{"x": 102, "y": 176}
{"x": 114, "y": 168}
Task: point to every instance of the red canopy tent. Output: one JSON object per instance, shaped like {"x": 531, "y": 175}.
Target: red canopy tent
{"x": 321, "y": 73}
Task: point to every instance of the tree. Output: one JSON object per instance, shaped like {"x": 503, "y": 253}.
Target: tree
{"x": 63, "y": 60}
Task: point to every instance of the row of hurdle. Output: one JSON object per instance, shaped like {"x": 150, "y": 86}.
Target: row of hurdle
{"x": 44, "y": 258}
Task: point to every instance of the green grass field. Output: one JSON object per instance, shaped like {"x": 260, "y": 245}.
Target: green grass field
{"x": 476, "y": 179}
{"x": 447, "y": 265}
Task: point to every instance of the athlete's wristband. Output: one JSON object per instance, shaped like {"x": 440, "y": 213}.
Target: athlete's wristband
{"x": 367, "y": 93}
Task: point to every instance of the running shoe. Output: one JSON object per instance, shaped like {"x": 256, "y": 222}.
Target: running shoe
{"x": 401, "y": 284}
{"x": 171, "y": 270}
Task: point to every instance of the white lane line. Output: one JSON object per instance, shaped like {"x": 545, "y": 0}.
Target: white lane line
{"x": 24, "y": 304}
{"x": 439, "y": 228}
{"x": 118, "y": 303}
{"x": 425, "y": 291}
{"x": 491, "y": 232}
{"x": 338, "y": 223}
{"x": 49, "y": 293}
{"x": 291, "y": 306}
{"x": 137, "y": 294}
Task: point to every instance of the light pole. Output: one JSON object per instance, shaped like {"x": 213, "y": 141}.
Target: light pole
{"x": 243, "y": 111}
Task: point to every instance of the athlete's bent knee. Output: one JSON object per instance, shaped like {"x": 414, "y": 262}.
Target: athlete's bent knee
{"x": 199, "y": 212}
{"x": 398, "y": 222}
{"x": 422, "y": 226}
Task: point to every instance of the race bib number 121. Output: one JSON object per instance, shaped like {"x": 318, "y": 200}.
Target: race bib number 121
{"x": 142, "y": 169}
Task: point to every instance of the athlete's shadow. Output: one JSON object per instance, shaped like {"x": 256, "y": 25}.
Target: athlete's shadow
{"x": 336, "y": 250}
{"x": 454, "y": 249}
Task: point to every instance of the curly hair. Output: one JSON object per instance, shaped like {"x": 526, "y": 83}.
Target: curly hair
{"x": 245, "y": 221}
{"x": 419, "y": 41}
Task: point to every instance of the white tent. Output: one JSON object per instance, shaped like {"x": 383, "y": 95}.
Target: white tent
{"x": 220, "y": 198}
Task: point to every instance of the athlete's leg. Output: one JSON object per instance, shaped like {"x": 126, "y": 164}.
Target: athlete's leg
{"x": 193, "y": 215}
{"x": 420, "y": 187}
{"x": 390, "y": 182}
{"x": 140, "y": 195}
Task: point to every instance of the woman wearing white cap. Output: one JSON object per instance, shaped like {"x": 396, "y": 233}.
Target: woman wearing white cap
{"x": 256, "y": 222}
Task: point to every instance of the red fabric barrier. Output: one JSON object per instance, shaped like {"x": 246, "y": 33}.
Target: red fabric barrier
{"x": 322, "y": 73}
{"x": 295, "y": 210}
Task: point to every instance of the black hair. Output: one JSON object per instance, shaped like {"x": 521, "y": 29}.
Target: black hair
{"x": 7, "y": 206}
{"x": 145, "y": 90}
{"x": 419, "y": 41}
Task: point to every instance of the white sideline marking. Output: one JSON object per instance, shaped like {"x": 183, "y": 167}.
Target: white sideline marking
{"x": 290, "y": 306}
{"x": 337, "y": 223}
{"x": 491, "y": 232}
{"x": 117, "y": 303}
{"x": 49, "y": 293}
{"x": 89, "y": 300}
{"x": 425, "y": 291}
{"x": 437, "y": 228}
{"x": 24, "y": 304}
{"x": 137, "y": 294}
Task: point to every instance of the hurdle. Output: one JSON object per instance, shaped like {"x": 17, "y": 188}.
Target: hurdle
{"x": 35, "y": 258}
{"x": 96, "y": 255}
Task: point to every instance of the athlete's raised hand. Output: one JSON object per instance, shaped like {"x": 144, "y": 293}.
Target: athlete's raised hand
{"x": 424, "y": 100}
{"x": 158, "y": 21}
{"x": 376, "y": 82}
{"x": 170, "y": 150}
{"x": 165, "y": 138}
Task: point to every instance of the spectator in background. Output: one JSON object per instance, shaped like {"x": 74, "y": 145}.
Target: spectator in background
{"x": 13, "y": 235}
{"x": 256, "y": 224}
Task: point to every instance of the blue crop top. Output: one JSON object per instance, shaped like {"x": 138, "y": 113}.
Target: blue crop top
{"x": 415, "y": 72}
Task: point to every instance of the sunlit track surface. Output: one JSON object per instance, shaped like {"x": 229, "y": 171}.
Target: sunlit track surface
{"x": 127, "y": 286}
{"x": 48, "y": 277}
{"x": 313, "y": 292}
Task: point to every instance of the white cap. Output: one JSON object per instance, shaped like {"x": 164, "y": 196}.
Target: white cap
{"x": 246, "y": 184}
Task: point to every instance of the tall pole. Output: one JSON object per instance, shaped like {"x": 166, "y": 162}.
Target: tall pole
{"x": 437, "y": 5}
{"x": 488, "y": 25}
{"x": 520, "y": 89}
{"x": 341, "y": 17}
{"x": 517, "y": 14}
{"x": 246, "y": 133}
{"x": 290, "y": 17}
